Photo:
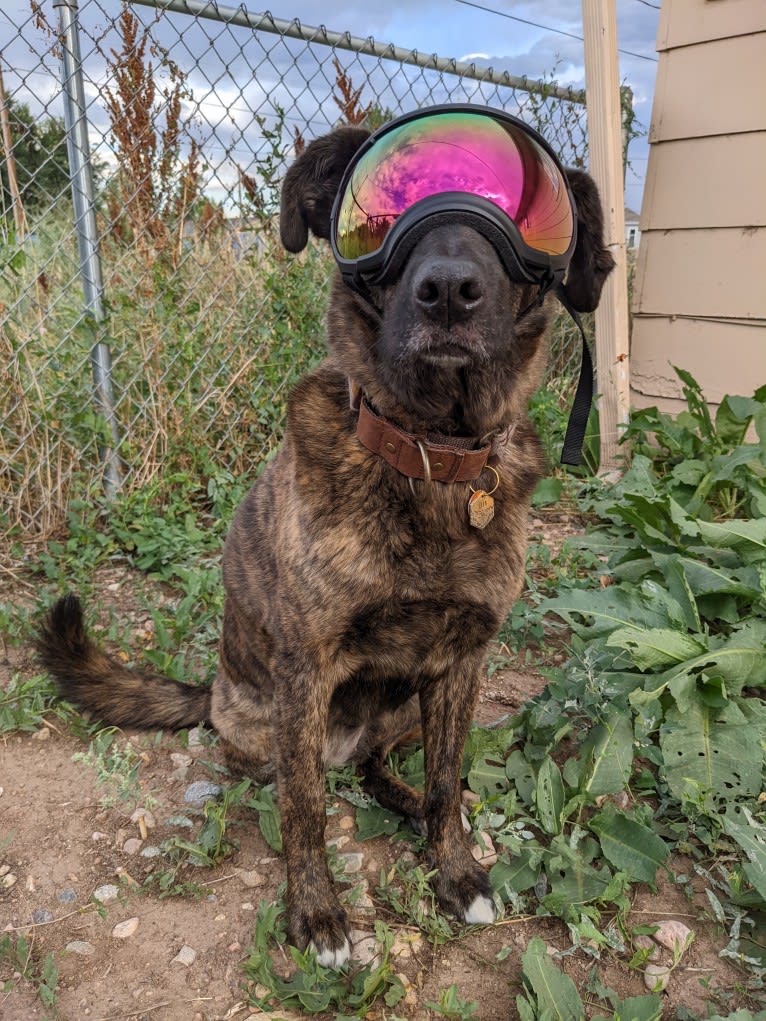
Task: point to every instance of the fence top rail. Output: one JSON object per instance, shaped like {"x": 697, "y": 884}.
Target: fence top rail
{"x": 266, "y": 22}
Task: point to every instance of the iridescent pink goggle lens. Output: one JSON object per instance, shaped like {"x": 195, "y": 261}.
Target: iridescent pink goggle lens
{"x": 460, "y": 151}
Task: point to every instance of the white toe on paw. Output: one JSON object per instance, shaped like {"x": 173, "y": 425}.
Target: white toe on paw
{"x": 332, "y": 958}
{"x": 481, "y": 911}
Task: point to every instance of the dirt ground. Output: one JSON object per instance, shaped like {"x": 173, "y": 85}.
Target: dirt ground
{"x": 60, "y": 845}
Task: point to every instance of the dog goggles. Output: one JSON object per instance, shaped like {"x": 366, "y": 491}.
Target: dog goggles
{"x": 457, "y": 163}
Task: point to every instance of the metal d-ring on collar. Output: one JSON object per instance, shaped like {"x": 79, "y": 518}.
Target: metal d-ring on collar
{"x": 426, "y": 469}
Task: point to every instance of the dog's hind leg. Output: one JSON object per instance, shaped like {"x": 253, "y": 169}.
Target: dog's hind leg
{"x": 391, "y": 792}
{"x": 243, "y": 716}
{"x": 390, "y": 729}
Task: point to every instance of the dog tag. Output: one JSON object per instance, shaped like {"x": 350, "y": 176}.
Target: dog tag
{"x": 481, "y": 509}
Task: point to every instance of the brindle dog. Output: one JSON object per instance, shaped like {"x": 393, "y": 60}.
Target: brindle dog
{"x": 360, "y": 603}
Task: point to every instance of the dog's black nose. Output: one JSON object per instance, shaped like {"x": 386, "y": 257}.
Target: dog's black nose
{"x": 448, "y": 290}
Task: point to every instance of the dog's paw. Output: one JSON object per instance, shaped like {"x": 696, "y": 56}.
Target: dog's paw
{"x": 481, "y": 911}
{"x": 320, "y": 926}
{"x": 332, "y": 956}
{"x": 466, "y": 894}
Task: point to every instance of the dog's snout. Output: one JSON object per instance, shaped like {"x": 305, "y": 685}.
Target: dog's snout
{"x": 448, "y": 290}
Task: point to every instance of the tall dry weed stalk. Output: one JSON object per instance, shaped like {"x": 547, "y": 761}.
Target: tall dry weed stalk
{"x": 347, "y": 97}
{"x": 155, "y": 186}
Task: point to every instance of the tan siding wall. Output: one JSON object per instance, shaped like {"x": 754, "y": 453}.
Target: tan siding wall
{"x": 690, "y": 21}
{"x": 706, "y": 272}
{"x": 700, "y": 290}
{"x": 697, "y": 345}
{"x": 725, "y": 177}
{"x": 714, "y": 88}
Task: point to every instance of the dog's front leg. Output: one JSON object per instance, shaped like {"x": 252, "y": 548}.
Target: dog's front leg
{"x": 314, "y": 914}
{"x": 461, "y": 885}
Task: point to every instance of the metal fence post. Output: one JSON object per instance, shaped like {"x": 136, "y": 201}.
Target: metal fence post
{"x": 83, "y": 197}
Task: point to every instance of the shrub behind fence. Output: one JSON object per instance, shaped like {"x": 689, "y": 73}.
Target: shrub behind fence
{"x": 195, "y": 323}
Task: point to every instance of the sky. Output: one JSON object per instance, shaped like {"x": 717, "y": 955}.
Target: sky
{"x": 488, "y": 32}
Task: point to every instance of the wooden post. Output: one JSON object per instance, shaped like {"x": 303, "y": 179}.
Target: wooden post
{"x": 602, "y": 91}
{"x": 13, "y": 185}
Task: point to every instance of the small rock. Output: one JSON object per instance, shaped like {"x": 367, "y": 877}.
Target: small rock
{"x": 30, "y": 884}
{"x": 234, "y": 947}
{"x": 200, "y": 791}
{"x": 672, "y": 935}
{"x": 41, "y": 735}
{"x": 410, "y": 993}
{"x": 79, "y": 946}
{"x": 186, "y": 956}
{"x": 647, "y": 943}
{"x": 656, "y": 977}
{"x": 124, "y": 929}
{"x": 67, "y": 896}
{"x": 8, "y": 881}
{"x": 41, "y": 915}
{"x": 2, "y": 791}
{"x": 346, "y": 822}
{"x": 366, "y": 948}
{"x": 362, "y": 902}
{"x": 180, "y": 760}
{"x": 195, "y": 738}
{"x": 484, "y": 850}
{"x": 106, "y": 894}
{"x": 132, "y": 845}
{"x": 338, "y": 842}
{"x": 247, "y": 906}
{"x": 470, "y": 799}
{"x": 4, "y": 870}
{"x": 250, "y": 877}
{"x": 97, "y": 835}
{"x": 351, "y": 862}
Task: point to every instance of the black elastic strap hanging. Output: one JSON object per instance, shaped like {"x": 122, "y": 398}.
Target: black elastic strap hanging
{"x": 578, "y": 416}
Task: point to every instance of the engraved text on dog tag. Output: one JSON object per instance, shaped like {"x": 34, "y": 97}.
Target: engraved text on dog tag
{"x": 481, "y": 509}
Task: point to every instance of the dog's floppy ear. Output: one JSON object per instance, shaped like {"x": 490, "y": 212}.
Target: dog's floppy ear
{"x": 310, "y": 185}
{"x": 591, "y": 263}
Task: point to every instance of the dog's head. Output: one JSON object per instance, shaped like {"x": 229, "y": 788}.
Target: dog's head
{"x": 453, "y": 342}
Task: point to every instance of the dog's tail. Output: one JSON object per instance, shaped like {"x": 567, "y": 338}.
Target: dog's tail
{"x": 95, "y": 681}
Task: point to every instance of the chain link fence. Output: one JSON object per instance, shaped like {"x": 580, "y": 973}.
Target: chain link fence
{"x": 150, "y": 324}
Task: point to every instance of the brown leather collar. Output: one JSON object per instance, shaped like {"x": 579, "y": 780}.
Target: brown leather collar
{"x": 450, "y": 458}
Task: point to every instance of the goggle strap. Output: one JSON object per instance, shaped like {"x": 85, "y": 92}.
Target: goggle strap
{"x": 578, "y": 416}
{"x": 358, "y": 284}
{"x": 544, "y": 286}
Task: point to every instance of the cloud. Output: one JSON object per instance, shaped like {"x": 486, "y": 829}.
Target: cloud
{"x": 235, "y": 74}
